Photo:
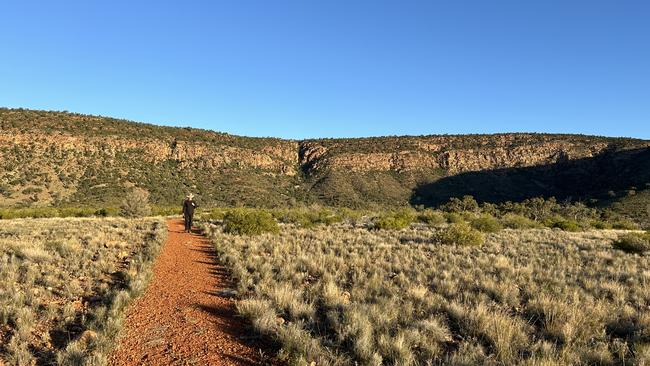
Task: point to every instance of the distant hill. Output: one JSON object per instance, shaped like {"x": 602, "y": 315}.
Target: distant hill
{"x": 60, "y": 158}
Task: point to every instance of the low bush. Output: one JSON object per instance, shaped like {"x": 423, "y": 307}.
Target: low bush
{"x": 486, "y": 224}
{"x": 514, "y": 221}
{"x": 394, "y": 220}
{"x": 249, "y": 222}
{"x": 322, "y": 217}
{"x": 431, "y": 217}
{"x": 308, "y": 218}
{"x": 136, "y": 204}
{"x": 166, "y": 210}
{"x": 461, "y": 234}
{"x": 46, "y": 212}
{"x": 350, "y": 214}
{"x": 634, "y": 243}
{"x": 454, "y": 217}
{"x": 600, "y": 225}
{"x": 102, "y": 212}
{"x": 213, "y": 214}
{"x": 465, "y": 204}
{"x": 625, "y": 225}
{"x": 562, "y": 223}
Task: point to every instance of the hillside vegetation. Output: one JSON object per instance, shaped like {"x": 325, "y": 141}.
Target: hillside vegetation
{"x": 71, "y": 160}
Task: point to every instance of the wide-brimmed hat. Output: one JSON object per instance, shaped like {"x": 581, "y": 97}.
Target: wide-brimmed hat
{"x": 190, "y": 196}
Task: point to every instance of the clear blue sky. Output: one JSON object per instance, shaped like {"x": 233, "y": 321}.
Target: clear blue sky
{"x": 336, "y": 68}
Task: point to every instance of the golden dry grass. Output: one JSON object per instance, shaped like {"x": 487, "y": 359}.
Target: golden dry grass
{"x": 341, "y": 295}
{"x": 64, "y": 284}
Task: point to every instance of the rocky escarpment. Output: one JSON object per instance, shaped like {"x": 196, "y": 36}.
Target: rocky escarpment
{"x": 452, "y": 154}
{"x": 64, "y": 158}
{"x": 191, "y": 155}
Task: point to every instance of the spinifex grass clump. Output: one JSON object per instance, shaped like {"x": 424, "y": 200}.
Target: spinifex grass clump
{"x": 64, "y": 285}
{"x": 249, "y": 222}
{"x": 634, "y": 243}
{"x": 307, "y": 218}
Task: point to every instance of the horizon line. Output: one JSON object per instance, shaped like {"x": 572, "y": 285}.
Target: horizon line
{"x": 177, "y": 125}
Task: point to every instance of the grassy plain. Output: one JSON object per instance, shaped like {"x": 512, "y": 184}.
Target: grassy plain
{"x": 64, "y": 284}
{"x": 345, "y": 295}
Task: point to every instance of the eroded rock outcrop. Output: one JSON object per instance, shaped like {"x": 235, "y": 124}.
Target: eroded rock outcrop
{"x": 442, "y": 152}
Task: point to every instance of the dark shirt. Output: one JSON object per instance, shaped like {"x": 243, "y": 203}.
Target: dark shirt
{"x": 188, "y": 208}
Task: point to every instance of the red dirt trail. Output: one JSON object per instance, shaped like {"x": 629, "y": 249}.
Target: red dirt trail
{"x": 181, "y": 319}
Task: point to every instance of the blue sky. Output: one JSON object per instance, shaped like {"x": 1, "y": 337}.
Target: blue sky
{"x": 335, "y": 68}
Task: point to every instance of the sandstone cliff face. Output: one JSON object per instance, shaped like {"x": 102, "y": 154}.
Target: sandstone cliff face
{"x": 278, "y": 159}
{"x": 442, "y": 152}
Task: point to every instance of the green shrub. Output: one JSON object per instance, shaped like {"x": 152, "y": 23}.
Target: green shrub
{"x": 634, "y": 243}
{"x": 467, "y": 203}
{"x": 486, "y": 224}
{"x": 249, "y": 222}
{"x": 454, "y": 217}
{"x": 625, "y": 225}
{"x": 600, "y": 225}
{"x": 214, "y": 214}
{"x": 562, "y": 223}
{"x": 394, "y": 220}
{"x": 514, "y": 221}
{"x": 166, "y": 210}
{"x": 45, "y": 212}
{"x": 350, "y": 214}
{"x": 461, "y": 234}
{"x": 431, "y": 217}
{"x": 325, "y": 217}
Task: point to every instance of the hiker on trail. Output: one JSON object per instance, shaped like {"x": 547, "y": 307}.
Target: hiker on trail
{"x": 188, "y": 211}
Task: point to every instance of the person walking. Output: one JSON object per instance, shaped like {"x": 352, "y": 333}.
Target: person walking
{"x": 188, "y": 211}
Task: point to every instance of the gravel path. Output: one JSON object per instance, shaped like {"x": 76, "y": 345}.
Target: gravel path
{"x": 183, "y": 317}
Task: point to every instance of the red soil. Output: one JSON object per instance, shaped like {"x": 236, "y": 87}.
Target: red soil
{"x": 181, "y": 319}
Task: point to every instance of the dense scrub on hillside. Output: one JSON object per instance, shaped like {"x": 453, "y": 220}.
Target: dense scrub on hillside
{"x": 345, "y": 295}
{"x": 66, "y": 159}
{"x": 451, "y": 142}
{"x": 52, "y": 121}
{"x": 65, "y": 283}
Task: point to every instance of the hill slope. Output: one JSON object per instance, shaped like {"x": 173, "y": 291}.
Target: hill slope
{"x": 60, "y": 158}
